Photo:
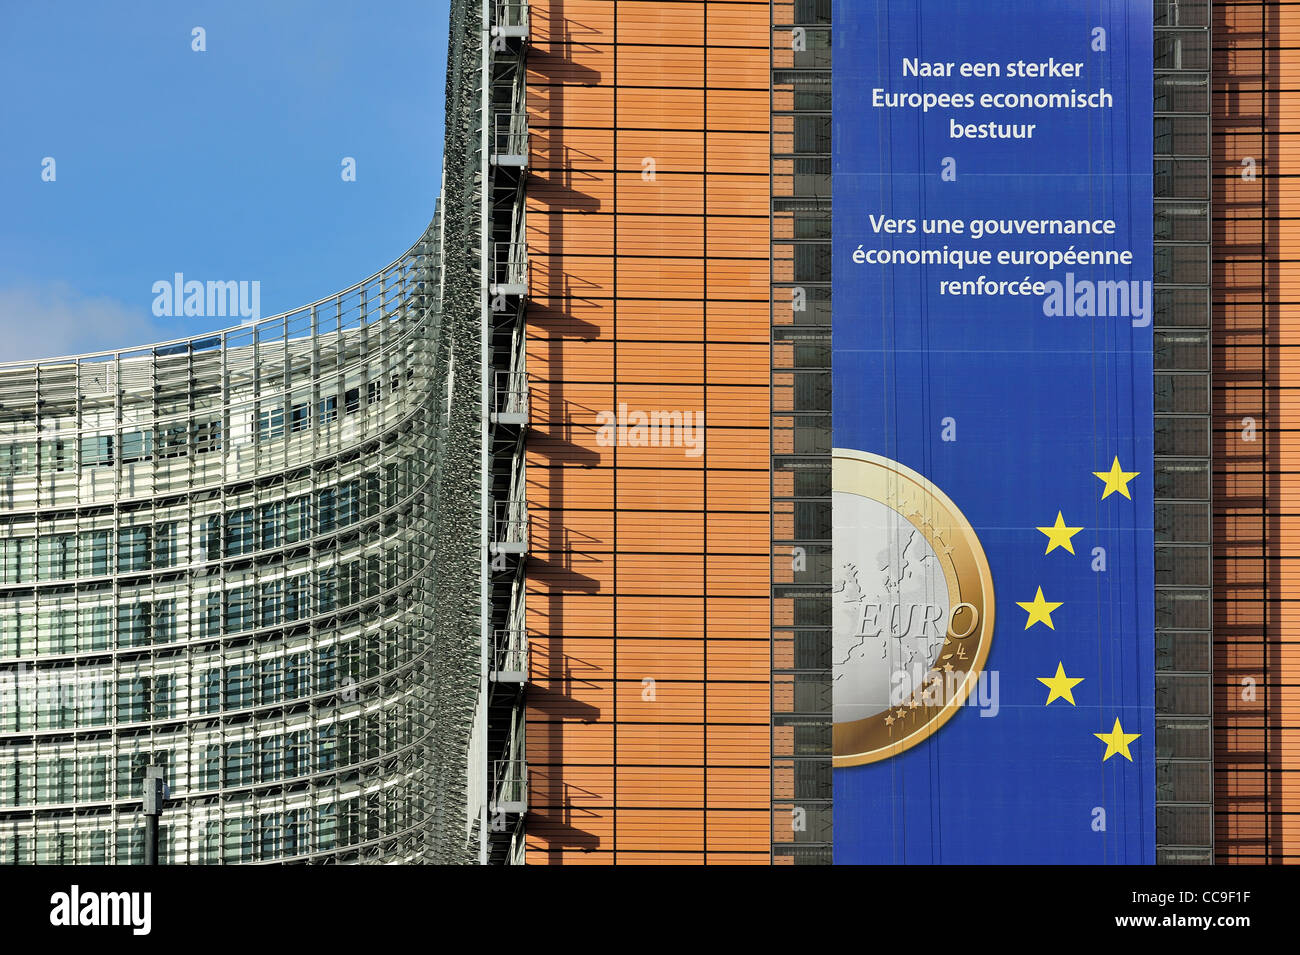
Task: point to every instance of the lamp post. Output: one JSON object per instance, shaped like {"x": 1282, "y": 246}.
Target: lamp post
{"x": 155, "y": 792}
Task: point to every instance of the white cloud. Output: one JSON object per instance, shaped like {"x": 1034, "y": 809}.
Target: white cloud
{"x": 52, "y": 320}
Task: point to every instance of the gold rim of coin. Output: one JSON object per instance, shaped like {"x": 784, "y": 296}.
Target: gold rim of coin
{"x": 970, "y": 599}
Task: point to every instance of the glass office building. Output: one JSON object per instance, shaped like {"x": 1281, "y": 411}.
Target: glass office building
{"x": 227, "y": 556}
{"x": 372, "y": 581}
{"x": 214, "y": 561}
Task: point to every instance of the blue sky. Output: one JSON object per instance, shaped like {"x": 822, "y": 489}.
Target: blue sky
{"x": 223, "y": 165}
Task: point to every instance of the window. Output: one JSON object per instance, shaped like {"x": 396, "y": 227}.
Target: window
{"x": 812, "y": 11}
{"x": 240, "y": 537}
{"x": 812, "y": 262}
{"x": 57, "y": 556}
{"x": 92, "y": 846}
{"x": 97, "y": 450}
{"x": 812, "y": 134}
{"x": 16, "y": 459}
{"x": 166, "y": 544}
{"x": 92, "y": 781}
{"x": 164, "y": 697}
{"x": 238, "y": 840}
{"x": 131, "y": 700}
{"x": 130, "y": 846}
{"x": 209, "y": 690}
{"x": 349, "y": 580}
{"x": 210, "y": 768}
{"x": 56, "y": 630}
{"x": 54, "y": 781}
{"x": 271, "y": 837}
{"x": 325, "y": 510}
{"x": 269, "y": 680}
{"x": 325, "y": 826}
{"x": 172, "y": 441}
{"x": 350, "y": 661}
{"x": 349, "y": 494}
{"x": 164, "y": 621}
{"x": 14, "y": 778}
{"x": 328, "y": 409}
{"x": 93, "y": 553}
{"x": 300, "y": 418}
{"x": 297, "y": 751}
{"x": 270, "y": 424}
{"x": 239, "y": 609}
{"x": 239, "y": 763}
{"x": 93, "y": 628}
{"x": 207, "y": 436}
{"x": 298, "y": 519}
{"x": 55, "y": 848}
{"x": 391, "y": 473}
{"x": 137, "y": 446}
{"x": 94, "y": 704}
{"x": 325, "y": 754}
{"x": 56, "y": 455}
{"x": 269, "y": 758}
{"x": 325, "y": 669}
{"x": 295, "y": 832}
{"x": 349, "y": 742}
{"x": 134, "y": 621}
{"x": 268, "y": 614}
{"x": 347, "y": 829}
{"x": 326, "y": 591}
{"x": 271, "y": 518}
{"x": 133, "y": 545}
{"x": 239, "y": 686}
{"x": 56, "y": 705}
{"x": 210, "y": 615}
{"x": 352, "y": 400}
{"x": 296, "y": 597}
{"x": 295, "y": 676}
{"x": 19, "y": 559}
{"x": 374, "y": 391}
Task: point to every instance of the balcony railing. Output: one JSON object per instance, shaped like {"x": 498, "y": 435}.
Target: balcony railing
{"x": 511, "y": 18}
{"x": 510, "y": 787}
{"x": 510, "y": 138}
{"x": 510, "y": 656}
{"x": 509, "y": 268}
{"x": 510, "y": 397}
{"x": 510, "y": 528}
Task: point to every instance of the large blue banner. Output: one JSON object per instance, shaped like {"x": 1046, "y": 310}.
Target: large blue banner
{"x": 993, "y": 547}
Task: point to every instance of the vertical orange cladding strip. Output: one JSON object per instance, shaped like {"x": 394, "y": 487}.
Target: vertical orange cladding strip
{"x": 1256, "y": 466}
{"x": 648, "y": 573}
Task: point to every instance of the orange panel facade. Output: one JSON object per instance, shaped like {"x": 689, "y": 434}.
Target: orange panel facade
{"x": 649, "y": 589}
{"x": 1256, "y": 375}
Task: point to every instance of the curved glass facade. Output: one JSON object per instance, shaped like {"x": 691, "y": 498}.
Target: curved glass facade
{"x": 214, "y": 559}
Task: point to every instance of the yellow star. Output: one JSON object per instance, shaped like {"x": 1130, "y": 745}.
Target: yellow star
{"x": 1117, "y": 741}
{"x": 1059, "y": 535}
{"x": 1040, "y": 610}
{"x": 1116, "y": 480}
{"x": 1060, "y": 685}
